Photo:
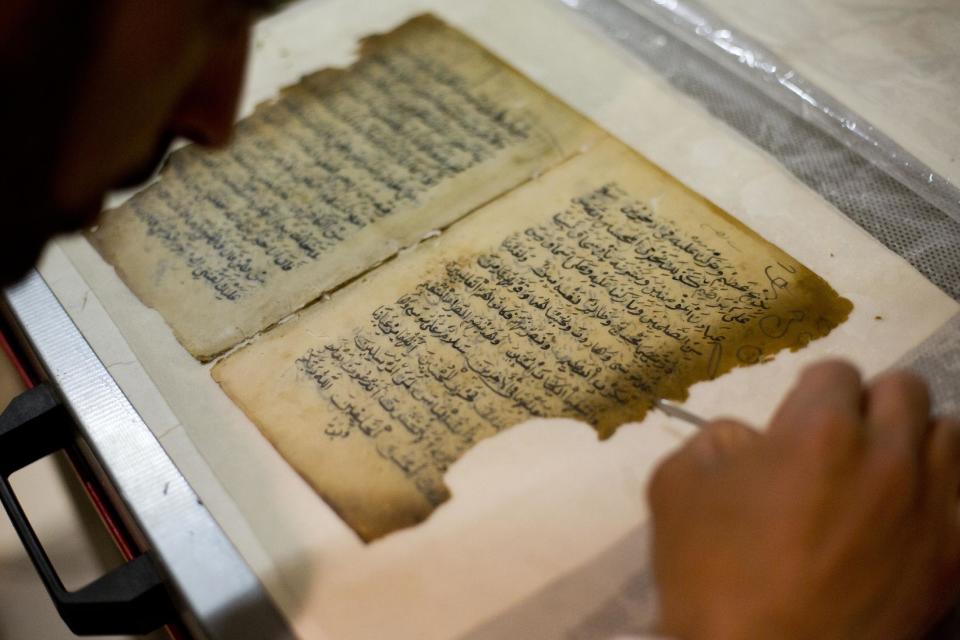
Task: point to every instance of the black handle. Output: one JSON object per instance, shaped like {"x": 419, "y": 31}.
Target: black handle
{"x": 131, "y": 599}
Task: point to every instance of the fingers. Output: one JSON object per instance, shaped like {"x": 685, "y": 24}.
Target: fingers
{"x": 824, "y": 406}
{"x": 829, "y": 411}
{"x": 943, "y": 488}
{"x": 830, "y": 417}
{"x": 943, "y": 463}
{"x": 898, "y": 413}
{"x": 718, "y": 442}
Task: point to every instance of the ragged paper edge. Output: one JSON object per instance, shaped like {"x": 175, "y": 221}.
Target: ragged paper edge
{"x": 365, "y": 47}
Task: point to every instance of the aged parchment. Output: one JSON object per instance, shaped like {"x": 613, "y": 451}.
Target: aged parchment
{"x": 586, "y": 294}
{"x": 339, "y": 173}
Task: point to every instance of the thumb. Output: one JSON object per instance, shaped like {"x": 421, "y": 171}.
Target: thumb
{"x": 721, "y": 440}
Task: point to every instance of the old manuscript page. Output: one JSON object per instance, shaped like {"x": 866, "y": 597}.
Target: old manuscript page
{"x": 586, "y": 294}
{"x": 338, "y": 174}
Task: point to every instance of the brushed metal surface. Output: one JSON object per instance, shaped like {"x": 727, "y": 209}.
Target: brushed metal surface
{"x": 218, "y": 594}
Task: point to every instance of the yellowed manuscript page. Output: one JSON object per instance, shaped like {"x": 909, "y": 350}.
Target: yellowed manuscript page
{"x": 587, "y": 293}
{"x": 342, "y": 171}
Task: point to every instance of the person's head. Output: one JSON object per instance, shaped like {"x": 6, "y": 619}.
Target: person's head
{"x": 95, "y": 91}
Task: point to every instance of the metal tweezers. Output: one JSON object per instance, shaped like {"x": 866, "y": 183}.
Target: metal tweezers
{"x": 678, "y": 412}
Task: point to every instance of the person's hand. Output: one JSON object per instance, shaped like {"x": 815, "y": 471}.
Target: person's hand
{"x": 841, "y": 521}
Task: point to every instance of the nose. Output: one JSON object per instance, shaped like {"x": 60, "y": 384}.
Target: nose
{"x": 208, "y": 109}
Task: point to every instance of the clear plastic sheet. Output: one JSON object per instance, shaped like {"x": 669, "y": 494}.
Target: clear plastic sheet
{"x": 864, "y": 173}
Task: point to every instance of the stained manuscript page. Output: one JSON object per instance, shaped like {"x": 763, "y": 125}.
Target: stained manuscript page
{"x": 340, "y": 172}
{"x": 586, "y": 294}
